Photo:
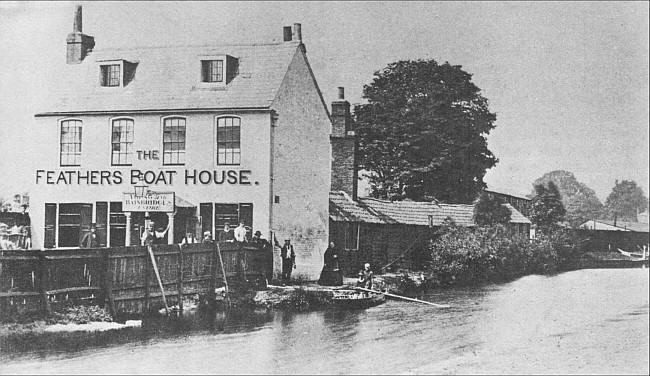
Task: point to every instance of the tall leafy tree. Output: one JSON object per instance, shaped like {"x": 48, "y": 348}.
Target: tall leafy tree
{"x": 423, "y": 131}
{"x": 580, "y": 201}
{"x": 489, "y": 210}
{"x": 625, "y": 199}
{"x": 547, "y": 210}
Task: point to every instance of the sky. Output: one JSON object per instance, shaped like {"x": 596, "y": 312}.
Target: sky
{"x": 568, "y": 80}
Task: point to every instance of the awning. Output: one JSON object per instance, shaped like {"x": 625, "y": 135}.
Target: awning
{"x": 179, "y": 202}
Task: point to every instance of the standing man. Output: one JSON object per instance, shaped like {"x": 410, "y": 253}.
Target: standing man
{"x": 189, "y": 238}
{"x": 89, "y": 240}
{"x": 288, "y": 261}
{"x": 240, "y": 233}
{"x": 207, "y": 238}
{"x": 160, "y": 235}
{"x": 226, "y": 235}
{"x": 24, "y": 225}
{"x": 148, "y": 235}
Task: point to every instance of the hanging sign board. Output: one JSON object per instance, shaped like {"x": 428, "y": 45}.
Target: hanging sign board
{"x": 151, "y": 202}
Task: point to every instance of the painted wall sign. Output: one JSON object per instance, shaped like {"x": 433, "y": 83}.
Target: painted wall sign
{"x": 150, "y": 177}
{"x": 143, "y": 155}
{"x": 152, "y": 201}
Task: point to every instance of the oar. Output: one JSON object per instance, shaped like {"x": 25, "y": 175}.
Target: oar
{"x": 155, "y": 269}
{"x": 404, "y": 298}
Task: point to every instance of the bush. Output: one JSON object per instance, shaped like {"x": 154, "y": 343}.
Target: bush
{"x": 476, "y": 255}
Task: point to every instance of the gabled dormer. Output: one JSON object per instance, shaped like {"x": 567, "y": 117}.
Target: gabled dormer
{"x": 116, "y": 73}
{"x": 216, "y": 70}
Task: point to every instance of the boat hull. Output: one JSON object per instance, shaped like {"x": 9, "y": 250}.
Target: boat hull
{"x": 353, "y": 299}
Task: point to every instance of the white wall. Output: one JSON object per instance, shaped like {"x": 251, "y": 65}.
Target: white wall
{"x": 301, "y": 168}
{"x": 96, "y": 155}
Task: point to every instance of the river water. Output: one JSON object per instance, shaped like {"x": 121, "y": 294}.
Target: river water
{"x": 584, "y": 321}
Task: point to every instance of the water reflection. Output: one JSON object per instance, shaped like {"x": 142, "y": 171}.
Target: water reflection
{"x": 587, "y": 321}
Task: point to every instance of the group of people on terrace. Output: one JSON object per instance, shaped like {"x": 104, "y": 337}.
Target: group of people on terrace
{"x": 331, "y": 274}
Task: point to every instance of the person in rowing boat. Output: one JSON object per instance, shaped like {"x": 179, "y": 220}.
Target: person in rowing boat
{"x": 365, "y": 277}
{"x": 331, "y": 274}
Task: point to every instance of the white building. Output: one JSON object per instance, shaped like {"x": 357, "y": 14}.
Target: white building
{"x": 235, "y": 132}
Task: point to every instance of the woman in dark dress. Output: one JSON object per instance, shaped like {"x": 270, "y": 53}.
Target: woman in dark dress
{"x": 331, "y": 274}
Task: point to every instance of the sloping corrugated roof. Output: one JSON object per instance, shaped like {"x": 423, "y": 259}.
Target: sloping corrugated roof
{"x": 343, "y": 209}
{"x": 167, "y": 78}
{"x": 370, "y": 210}
{"x": 516, "y": 216}
{"x": 623, "y": 225}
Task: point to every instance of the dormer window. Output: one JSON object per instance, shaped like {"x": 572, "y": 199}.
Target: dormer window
{"x": 216, "y": 71}
{"x": 116, "y": 73}
{"x": 111, "y": 75}
{"x": 212, "y": 70}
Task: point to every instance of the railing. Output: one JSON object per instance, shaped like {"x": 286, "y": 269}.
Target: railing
{"x": 123, "y": 278}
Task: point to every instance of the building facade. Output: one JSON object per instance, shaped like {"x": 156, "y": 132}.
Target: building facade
{"x": 190, "y": 137}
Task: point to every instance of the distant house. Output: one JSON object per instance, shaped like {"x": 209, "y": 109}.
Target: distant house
{"x": 607, "y": 235}
{"x": 378, "y": 231}
{"x": 518, "y": 201}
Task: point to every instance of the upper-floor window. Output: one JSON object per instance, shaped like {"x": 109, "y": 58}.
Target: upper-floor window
{"x": 70, "y": 143}
{"x": 228, "y": 151}
{"x": 174, "y": 141}
{"x": 121, "y": 142}
{"x": 110, "y": 75}
{"x": 212, "y": 70}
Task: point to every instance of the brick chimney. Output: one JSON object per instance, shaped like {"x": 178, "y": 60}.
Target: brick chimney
{"x": 78, "y": 43}
{"x": 344, "y": 148}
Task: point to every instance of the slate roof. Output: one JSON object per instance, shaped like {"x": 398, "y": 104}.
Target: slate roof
{"x": 167, "y": 78}
{"x": 370, "y": 210}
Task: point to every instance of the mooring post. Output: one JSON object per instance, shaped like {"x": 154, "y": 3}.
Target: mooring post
{"x": 147, "y": 268}
{"x": 43, "y": 284}
{"x": 180, "y": 280}
{"x": 108, "y": 284}
{"x": 213, "y": 271}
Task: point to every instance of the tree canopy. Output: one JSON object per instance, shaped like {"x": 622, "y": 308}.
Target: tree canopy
{"x": 422, "y": 133}
{"x": 625, "y": 199}
{"x": 489, "y": 210}
{"x": 580, "y": 201}
{"x": 547, "y": 210}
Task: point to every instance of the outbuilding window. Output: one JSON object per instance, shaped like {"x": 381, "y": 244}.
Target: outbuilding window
{"x": 121, "y": 142}
{"x": 70, "y": 143}
{"x": 351, "y": 236}
{"x": 174, "y": 141}
{"x": 228, "y": 140}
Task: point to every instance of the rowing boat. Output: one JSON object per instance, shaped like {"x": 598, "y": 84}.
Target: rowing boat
{"x": 353, "y": 299}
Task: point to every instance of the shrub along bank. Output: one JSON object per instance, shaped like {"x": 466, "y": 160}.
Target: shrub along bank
{"x": 462, "y": 255}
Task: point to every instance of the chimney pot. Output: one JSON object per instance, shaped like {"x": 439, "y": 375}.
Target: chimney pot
{"x": 77, "y": 26}
{"x": 297, "y": 32}
{"x": 341, "y": 92}
{"x": 286, "y": 33}
{"x": 78, "y": 43}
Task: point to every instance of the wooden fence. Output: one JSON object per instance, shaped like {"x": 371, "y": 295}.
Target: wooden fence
{"x": 123, "y": 278}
